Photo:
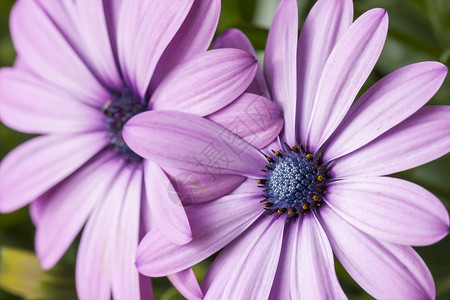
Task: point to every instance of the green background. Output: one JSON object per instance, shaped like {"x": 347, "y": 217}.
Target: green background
{"x": 419, "y": 30}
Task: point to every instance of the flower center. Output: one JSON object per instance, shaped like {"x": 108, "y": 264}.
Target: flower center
{"x": 118, "y": 112}
{"x": 295, "y": 182}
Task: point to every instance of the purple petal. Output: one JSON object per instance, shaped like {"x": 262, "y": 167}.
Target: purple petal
{"x": 125, "y": 281}
{"x": 194, "y": 187}
{"x": 34, "y": 106}
{"x": 203, "y": 146}
{"x": 245, "y": 269}
{"x": 193, "y": 37}
{"x": 419, "y": 139}
{"x": 254, "y": 118}
{"x": 384, "y": 270}
{"x": 389, "y": 102}
{"x": 186, "y": 283}
{"x": 390, "y": 209}
{"x": 95, "y": 21}
{"x": 145, "y": 29}
{"x": 108, "y": 245}
{"x": 206, "y": 82}
{"x": 312, "y": 265}
{"x": 63, "y": 214}
{"x": 280, "y": 63}
{"x": 281, "y": 287}
{"x": 324, "y": 26}
{"x": 167, "y": 210}
{"x": 234, "y": 38}
{"x": 214, "y": 224}
{"x": 45, "y": 48}
{"x": 37, "y": 165}
{"x": 344, "y": 73}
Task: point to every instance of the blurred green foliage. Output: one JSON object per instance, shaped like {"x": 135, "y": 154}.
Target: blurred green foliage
{"x": 419, "y": 30}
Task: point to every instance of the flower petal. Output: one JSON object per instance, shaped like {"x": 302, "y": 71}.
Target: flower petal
{"x": 312, "y": 268}
{"x": 96, "y": 253}
{"x": 344, "y": 73}
{"x": 234, "y": 38}
{"x": 389, "y": 102}
{"x": 206, "y": 82}
{"x": 254, "y": 118}
{"x": 419, "y": 139}
{"x": 390, "y": 209}
{"x": 203, "y": 146}
{"x": 63, "y": 214}
{"x": 186, "y": 283}
{"x": 280, "y": 63}
{"x": 253, "y": 255}
{"x": 384, "y": 270}
{"x": 37, "y": 165}
{"x": 108, "y": 245}
{"x": 214, "y": 224}
{"x": 97, "y": 21}
{"x": 193, "y": 37}
{"x": 167, "y": 210}
{"x": 125, "y": 281}
{"x": 46, "y": 49}
{"x": 34, "y": 106}
{"x": 139, "y": 48}
{"x": 194, "y": 187}
{"x": 324, "y": 26}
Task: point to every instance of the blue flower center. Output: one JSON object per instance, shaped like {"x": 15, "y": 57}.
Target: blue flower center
{"x": 294, "y": 184}
{"x": 118, "y": 111}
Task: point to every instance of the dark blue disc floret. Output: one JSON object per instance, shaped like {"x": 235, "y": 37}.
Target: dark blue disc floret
{"x": 118, "y": 111}
{"x": 295, "y": 182}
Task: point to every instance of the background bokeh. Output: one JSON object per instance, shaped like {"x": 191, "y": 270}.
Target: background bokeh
{"x": 419, "y": 30}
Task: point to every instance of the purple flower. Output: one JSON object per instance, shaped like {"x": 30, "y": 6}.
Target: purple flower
{"x": 84, "y": 68}
{"x": 323, "y": 189}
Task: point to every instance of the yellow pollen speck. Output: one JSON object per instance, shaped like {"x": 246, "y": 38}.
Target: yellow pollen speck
{"x": 320, "y": 178}
{"x": 280, "y": 211}
{"x": 309, "y": 156}
{"x": 305, "y": 206}
{"x": 291, "y": 211}
{"x": 316, "y": 198}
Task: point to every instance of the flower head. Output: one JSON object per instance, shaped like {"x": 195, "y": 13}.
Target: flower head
{"x": 322, "y": 189}
{"x": 84, "y": 68}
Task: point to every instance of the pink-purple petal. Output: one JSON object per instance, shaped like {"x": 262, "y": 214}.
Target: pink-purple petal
{"x": 245, "y": 269}
{"x": 37, "y": 165}
{"x": 193, "y": 37}
{"x": 31, "y": 105}
{"x": 384, "y": 270}
{"x": 312, "y": 265}
{"x": 324, "y": 26}
{"x": 125, "y": 282}
{"x": 389, "y": 102}
{"x": 195, "y": 187}
{"x": 144, "y": 30}
{"x": 93, "y": 19}
{"x": 201, "y": 145}
{"x": 214, "y": 224}
{"x": 390, "y": 209}
{"x": 280, "y": 63}
{"x": 167, "y": 211}
{"x": 421, "y": 138}
{"x": 205, "y": 83}
{"x": 234, "y": 38}
{"x": 97, "y": 251}
{"x": 254, "y": 118}
{"x": 63, "y": 214}
{"x": 186, "y": 283}
{"x": 344, "y": 73}
{"x": 49, "y": 53}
